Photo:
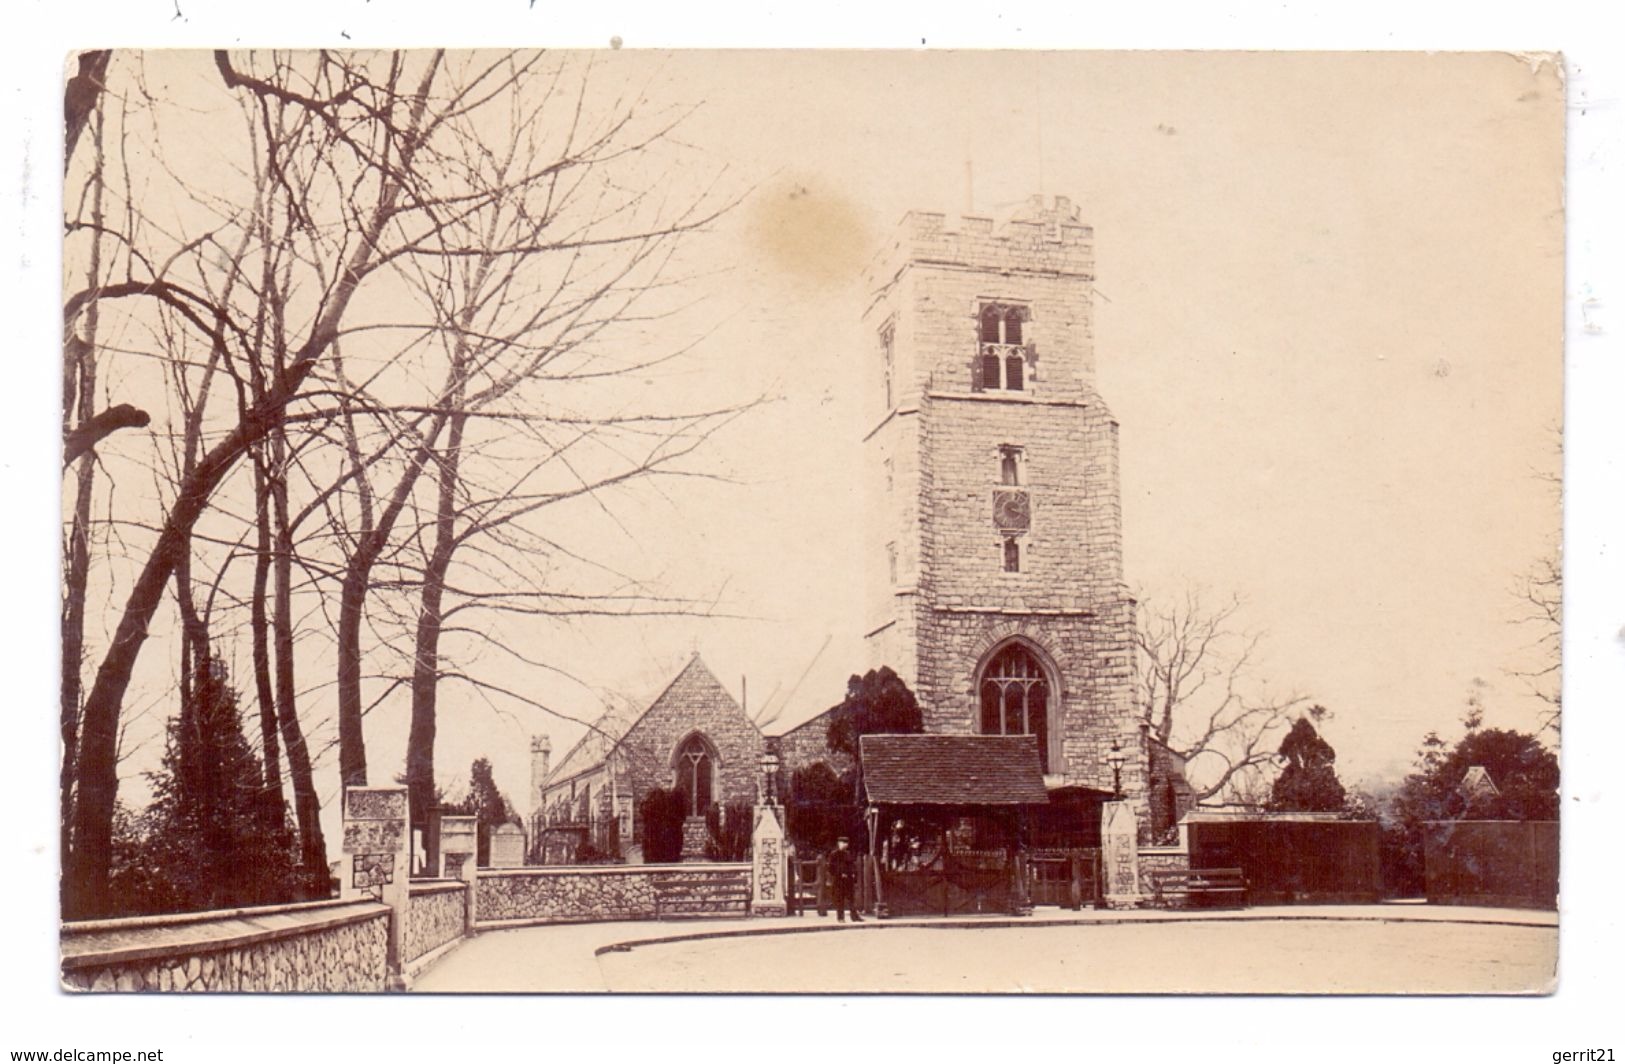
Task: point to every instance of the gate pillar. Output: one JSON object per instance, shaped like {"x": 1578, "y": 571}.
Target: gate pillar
{"x": 376, "y": 843}
{"x": 768, "y": 873}
{"x": 1120, "y": 853}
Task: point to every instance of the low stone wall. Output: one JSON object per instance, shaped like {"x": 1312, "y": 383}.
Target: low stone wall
{"x": 315, "y": 946}
{"x": 1161, "y": 859}
{"x": 609, "y": 892}
{"x": 435, "y": 917}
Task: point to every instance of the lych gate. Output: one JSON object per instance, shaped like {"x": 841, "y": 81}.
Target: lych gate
{"x": 947, "y": 816}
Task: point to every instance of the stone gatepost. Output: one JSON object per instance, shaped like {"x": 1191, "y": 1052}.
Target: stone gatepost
{"x": 1120, "y": 853}
{"x": 459, "y": 851}
{"x": 769, "y": 874}
{"x": 376, "y": 843}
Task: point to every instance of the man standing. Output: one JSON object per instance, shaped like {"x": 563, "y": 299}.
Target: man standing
{"x": 843, "y": 871}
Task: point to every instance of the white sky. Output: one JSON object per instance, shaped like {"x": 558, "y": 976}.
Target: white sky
{"x": 1328, "y": 321}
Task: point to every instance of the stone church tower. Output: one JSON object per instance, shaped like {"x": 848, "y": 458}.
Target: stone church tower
{"x": 994, "y": 532}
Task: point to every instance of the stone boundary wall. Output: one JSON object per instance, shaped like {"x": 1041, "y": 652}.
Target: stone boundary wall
{"x": 313, "y": 946}
{"x": 435, "y": 916}
{"x": 1161, "y": 859}
{"x": 597, "y": 892}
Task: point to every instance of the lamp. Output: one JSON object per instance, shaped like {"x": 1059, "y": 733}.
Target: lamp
{"x": 1116, "y": 759}
{"x": 770, "y": 768}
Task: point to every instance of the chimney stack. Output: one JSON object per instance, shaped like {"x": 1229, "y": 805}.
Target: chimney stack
{"x": 541, "y": 752}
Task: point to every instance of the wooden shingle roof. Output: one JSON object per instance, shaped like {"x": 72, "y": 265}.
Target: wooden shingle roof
{"x": 952, "y": 769}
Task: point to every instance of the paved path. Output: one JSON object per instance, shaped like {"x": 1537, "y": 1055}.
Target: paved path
{"x": 1287, "y": 949}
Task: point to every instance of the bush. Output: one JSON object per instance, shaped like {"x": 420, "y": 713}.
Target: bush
{"x": 663, "y": 813}
{"x": 729, "y": 830}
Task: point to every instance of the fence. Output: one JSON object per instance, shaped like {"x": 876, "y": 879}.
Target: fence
{"x": 1492, "y": 862}
{"x": 1293, "y": 858}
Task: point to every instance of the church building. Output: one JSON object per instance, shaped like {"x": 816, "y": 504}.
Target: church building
{"x": 993, "y": 563}
{"x": 995, "y": 575}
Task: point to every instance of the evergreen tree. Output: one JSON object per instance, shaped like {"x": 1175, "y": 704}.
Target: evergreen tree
{"x": 1524, "y": 772}
{"x": 1308, "y": 783}
{"x": 487, "y": 804}
{"x": 214, "y": 836}
{"x": 876, "y": 703}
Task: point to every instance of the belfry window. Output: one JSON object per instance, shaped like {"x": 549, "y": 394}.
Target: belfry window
{"x": 1015, "y": 698}
{"x": 1002, "y": 362}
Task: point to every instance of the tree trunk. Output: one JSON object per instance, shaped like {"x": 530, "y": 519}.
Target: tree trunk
{"x": 307, "y": 806}
{"x": 352, "y": 610}
{"x": 426, "y": 662}
{"x": 260, "y": 629}
{"x": 79, "y": 399}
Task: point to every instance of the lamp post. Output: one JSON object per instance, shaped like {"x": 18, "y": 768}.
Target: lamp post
{"x": 770, "y": 770}
{"x": 1116, "y": 759}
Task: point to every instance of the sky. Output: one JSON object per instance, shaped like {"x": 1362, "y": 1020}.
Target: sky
{"x": 1328, "y": 321}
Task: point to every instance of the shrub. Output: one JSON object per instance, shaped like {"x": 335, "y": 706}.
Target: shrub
{"x": 663, "y": 812}
{"x": 728, "y": 832}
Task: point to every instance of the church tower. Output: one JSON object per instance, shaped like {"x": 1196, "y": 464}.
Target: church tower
{"x": 994, "y": 533}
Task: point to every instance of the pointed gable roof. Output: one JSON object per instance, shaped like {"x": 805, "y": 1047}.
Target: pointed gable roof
{"x": 695, "y": 684}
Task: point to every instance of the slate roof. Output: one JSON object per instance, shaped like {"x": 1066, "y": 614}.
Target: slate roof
{"x": 953, "y": 769}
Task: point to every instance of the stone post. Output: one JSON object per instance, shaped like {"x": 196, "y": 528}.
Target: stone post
{"x": 459, "y": 850}
{"x": 769, "y": 875}
{"x": 1120, "y": 853}
{"x": 376, "y": 844}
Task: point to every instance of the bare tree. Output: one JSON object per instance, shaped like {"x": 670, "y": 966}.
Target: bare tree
{"x": 1539, "y": 594}
{"x": 1197, "y": 693}
{"x": 492, "y": 240}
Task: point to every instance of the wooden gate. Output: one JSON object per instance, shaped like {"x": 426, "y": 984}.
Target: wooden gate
{"x": 1070, "y": 880}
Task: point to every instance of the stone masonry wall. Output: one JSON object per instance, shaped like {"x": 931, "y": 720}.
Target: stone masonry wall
{"x": 1094, "y": 658}
{"x": 806, "y": 744}
{"x": 694, "y": 702}
{"x": 934, "y": 463}
{"x": 623, "y": 892}
{"x": 322, "y": 948}
{"x": 1161, "y": 860}
{"x": 436, "y": 916}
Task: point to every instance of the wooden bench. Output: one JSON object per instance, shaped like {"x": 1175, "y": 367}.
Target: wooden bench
{"x": 679, "y": 896}
{"x": 1211, "y": 886}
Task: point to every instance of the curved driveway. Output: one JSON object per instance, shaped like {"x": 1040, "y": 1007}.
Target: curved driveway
{"x": 1304, "y": 949}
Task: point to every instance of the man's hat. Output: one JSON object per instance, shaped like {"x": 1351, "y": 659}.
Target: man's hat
{"x": 843, "y": 838}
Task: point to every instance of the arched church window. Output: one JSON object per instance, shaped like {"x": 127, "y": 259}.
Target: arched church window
{"x": 1015, "y": 698}
{"x": 696, "y": 770}
{"x": 1012, "y": 555}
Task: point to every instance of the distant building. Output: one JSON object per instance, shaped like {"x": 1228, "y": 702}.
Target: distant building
{"x": 1476, "y": 784}
{"x": 694, "y": 736}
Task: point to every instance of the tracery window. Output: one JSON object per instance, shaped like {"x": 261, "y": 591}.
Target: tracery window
{"x": 1015, "y": 698}
{"x": 1002, "y": 363}
{"x": 696, "y": 771}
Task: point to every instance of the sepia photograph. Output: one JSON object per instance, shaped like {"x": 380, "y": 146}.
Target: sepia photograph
{"x": 809, "y": 521}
